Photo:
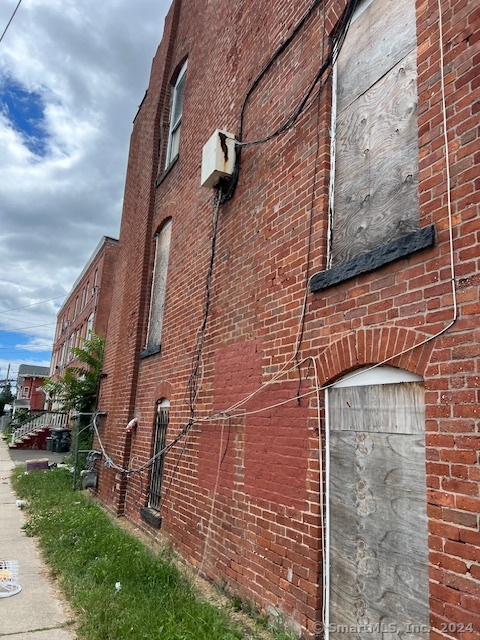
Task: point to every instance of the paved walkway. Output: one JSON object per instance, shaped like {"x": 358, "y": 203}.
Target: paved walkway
{"x": 35, "y": 613}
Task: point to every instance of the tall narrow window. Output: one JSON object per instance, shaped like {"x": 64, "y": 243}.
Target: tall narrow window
{"x": 160, "y": 438}
{"x": 89, "y": 324}
{"x": 70, "y": 345}
{"x": 63, "y": 358}
{"x": 176, "y": 109}
{"x": 375, "y": 142}
{"x": 159, "y": 286}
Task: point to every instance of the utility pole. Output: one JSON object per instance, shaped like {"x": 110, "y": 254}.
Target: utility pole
{"x": 5, "y": 381}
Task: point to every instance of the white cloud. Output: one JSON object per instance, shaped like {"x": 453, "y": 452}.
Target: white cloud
{"x": 88, "y": 62}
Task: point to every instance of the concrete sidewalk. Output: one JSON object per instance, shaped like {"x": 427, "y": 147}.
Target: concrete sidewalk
{"x": 36, "y": 613}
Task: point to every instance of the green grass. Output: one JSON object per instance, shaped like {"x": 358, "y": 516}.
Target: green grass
{"x": 89, "y": 554}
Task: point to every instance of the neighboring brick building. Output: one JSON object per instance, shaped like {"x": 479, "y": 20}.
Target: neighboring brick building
{"x": 87, "y": 307}
{"x": 335, "y": 253}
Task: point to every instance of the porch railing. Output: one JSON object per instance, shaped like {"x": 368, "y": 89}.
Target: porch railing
{"x": 46, "y": 419}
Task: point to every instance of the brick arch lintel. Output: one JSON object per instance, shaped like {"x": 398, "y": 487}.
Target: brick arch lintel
{"x": 374, "y": 345}
{"x": 163, "y": 389}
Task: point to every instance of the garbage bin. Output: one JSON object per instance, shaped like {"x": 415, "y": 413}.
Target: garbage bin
{"x": 49, "y": 443}
{"x": 55, "y": 439}
{"x": 60, "y": 440}
{"x": 65, "y": 441}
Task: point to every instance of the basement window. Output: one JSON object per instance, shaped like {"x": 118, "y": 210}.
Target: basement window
{"x": 374, "y": 179}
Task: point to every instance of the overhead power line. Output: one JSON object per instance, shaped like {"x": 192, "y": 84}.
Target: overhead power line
{"x": 11, "y": 18}
{"x": 28, "y": 326}
{"x": 32, "y": 305}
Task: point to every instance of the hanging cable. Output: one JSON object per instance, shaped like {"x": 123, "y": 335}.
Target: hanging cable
{"x": 333, "y": 52}
{"x": 212, "y": 507}
{"x": 192, "y": 384}
{"x": 321, "y": 495}
{"x": 33, "y": 304}
{"x": 175, "y": 469}
{"x": 447, "y": 162}
{"x": 310, "y": 224}
{"x": 284, "y": 371}
{"x": 10, "y": 21}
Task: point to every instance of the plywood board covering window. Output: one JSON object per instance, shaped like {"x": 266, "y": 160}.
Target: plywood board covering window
{"x": 159, "y": 286}
{"x": 375, "y": 141}
{"x": 378, "y": 512}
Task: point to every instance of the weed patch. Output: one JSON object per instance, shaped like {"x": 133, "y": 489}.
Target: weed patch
{"x": 118, "y": 588}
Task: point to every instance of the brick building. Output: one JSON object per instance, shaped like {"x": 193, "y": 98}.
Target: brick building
{"x": 29, "y": 395}
{"x": 305, "y": 336}
{"x": 87, "y": 307}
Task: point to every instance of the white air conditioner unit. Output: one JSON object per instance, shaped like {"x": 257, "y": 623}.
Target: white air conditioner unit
{"x": 218, "y": 158}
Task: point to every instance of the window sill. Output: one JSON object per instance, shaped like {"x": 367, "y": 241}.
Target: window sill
{"x": 150, "y": 351}
{"x": 372, "y": 260}
{"x": 151, "y": 517}
{"x": 166, "y": 171}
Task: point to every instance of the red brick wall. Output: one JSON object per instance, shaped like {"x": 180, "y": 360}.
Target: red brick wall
{"x": 37, "y": 397}
{"x": 241, "y": 496}
{"x": 73, "y": 316}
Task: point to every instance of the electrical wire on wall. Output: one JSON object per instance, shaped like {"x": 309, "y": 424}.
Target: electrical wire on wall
{"x": 194, "y": 383}
{"x": 196, "y": 375}
{"x": 212, "y": 506}
{"x": 321, "y": 495}
{"x": 326, "y": 66}
{"x": 301, "y": 327}
{"x": 230, "y": 411}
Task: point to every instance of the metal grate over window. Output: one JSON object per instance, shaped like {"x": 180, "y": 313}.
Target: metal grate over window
{"x": 160, "y": 437}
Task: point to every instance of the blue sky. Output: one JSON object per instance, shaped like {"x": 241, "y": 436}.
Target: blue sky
{"x": 11, "y": 350}
{"x": 18, "y": 347}
{"x": 71, "y": 78}
{"x": 26, "y": 113}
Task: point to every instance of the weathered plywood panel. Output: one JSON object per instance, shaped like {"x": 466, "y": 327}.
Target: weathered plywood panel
{"x": 378, "y": 535}
{"x": 369, "y": 408}
{"x": 377, "y": 40}
{"x": 376, "y": 165}
{"x": 159, "y": 286}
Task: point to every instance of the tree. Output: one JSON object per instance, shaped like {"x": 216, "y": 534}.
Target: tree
{"x": 6, "y": 397}
{"x": 78, "y": 388}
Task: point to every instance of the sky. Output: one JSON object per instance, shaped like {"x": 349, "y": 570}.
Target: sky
{"x": 72, "y": 75}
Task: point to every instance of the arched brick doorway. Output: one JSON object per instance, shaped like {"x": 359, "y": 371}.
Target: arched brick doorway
{"x": 377, "y": 522}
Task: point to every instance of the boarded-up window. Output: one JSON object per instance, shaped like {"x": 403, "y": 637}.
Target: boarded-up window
{"x": 159, "y": 286}
{"x": 378, "y": 507}
{"x": 375, "y": 142}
